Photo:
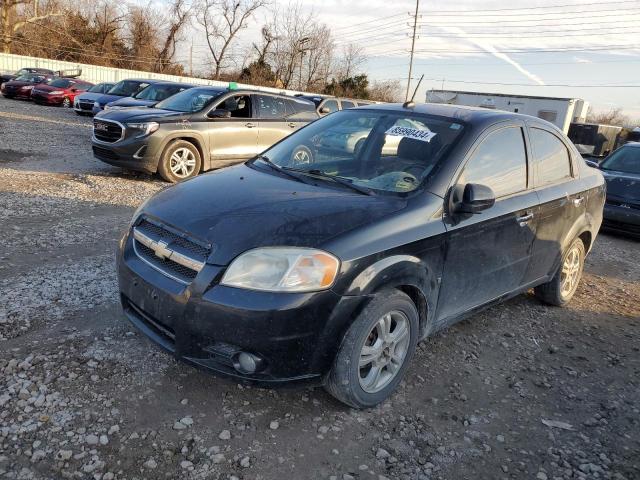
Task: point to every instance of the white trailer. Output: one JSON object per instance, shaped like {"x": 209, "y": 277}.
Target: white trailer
{"x": 559, "y": 111}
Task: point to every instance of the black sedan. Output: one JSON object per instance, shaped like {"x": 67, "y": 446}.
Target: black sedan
{"x": 313, "y": 265}
{"x": 621, "y": 171}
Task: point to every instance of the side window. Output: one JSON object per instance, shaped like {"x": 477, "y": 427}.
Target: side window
{"x": 347, "y": 104}
{"x": 332, "y": 105}
{"x": 499, "y": 162}
{"x": 550, "y": 157}
{"x": 238, "y": 105}
{"x": 271, "y": 107}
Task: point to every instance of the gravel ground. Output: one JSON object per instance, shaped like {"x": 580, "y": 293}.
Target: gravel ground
{"x": 520, "y": 391}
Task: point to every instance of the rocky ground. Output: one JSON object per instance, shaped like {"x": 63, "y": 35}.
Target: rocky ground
{"x": 520, "y": 391}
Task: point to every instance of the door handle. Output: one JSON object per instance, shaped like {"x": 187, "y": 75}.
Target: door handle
{"x": 578, "y": 201}
{"x": 250, "y": 125}
{"x": 524, "y": 219}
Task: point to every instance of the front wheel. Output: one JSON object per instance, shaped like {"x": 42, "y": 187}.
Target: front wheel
{"x": 180, "y": 161}
{"x": 375, "y": 351}
{"x": 66, "y": 103}
{"x": 560, "y": 290}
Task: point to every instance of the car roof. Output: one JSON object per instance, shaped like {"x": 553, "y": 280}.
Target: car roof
{"x": 632, "y": 144}
{"x": 167, "y": 82}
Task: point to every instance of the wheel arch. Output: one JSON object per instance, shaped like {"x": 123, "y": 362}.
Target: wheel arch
{"x": 195, "y": 140}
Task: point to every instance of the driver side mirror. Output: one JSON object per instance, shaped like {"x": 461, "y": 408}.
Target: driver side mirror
{"x": 476, "y": 198}
{"x": 219, "y": 113}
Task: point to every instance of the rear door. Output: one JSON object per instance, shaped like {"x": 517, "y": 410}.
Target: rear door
{"x": 234, "y": 139}
{"x": 272, "y": 123}
{"x": 488, "y": 253}
{"x": 562, "y": 201}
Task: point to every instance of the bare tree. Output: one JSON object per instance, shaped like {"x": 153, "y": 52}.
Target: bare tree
{"x": 350, "y": 61}
{"x": 179, "y": 14}
{"x": 11, "y": 26}
{"x": 386, "y": 91}
{"x": 222, "y": 20}
{"x": 614, "y": 116}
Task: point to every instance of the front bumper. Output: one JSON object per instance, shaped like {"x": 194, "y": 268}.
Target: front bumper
{"x": 131, "y": 153}
{"x": 47, "y": 99}
{"x": 621, "y": 219}
{"x": 207, "y": 324}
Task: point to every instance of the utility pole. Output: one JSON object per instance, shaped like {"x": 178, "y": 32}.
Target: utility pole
{"x": 302, "y": 51}
{"x": 191, "y": 60}
{"x": 413, "y": 45}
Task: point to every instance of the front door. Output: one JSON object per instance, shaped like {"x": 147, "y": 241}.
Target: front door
{"x": 488, "y": 253}
{"x": 233, "y": 139}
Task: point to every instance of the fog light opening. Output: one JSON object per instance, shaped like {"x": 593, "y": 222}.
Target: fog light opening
{"x": 247, "y": 362}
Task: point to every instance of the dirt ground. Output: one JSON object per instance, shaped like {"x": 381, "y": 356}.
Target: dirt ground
{"x": 520, "y": 391}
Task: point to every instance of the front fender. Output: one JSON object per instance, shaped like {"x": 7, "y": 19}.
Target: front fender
{"x": 193, "y": 136}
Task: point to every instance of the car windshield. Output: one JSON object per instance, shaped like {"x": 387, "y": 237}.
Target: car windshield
{"x": 127, "y": 88}
{"x": 29, "y": 77}
{"x": 99, "y": 88}
{"x": 60, "y": 83}
{"x": 190, "y": 101}
{"x": 157, "y": 92}
{"x": 625, "y": 159}
{"x": 380, "y": 151}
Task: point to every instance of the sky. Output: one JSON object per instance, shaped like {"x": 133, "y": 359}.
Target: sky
{"x": 563, "y": 48}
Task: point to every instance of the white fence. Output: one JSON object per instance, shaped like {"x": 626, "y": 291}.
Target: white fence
{"x": 96, "y": 74}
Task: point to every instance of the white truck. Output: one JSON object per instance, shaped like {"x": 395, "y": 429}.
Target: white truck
{"x": 559, "y": 111}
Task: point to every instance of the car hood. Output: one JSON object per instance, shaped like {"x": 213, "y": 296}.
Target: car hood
{"x": 14, "y": 83}
{"x": 240, "y": 208}
{"x": 132, "y": 102}
{"x": 140, "y": 114}
{"x": 104, "y": 99}
{"x": 48, "y": 88}
{"x": 90, "y": 96}
{"x": 622, "y": 186}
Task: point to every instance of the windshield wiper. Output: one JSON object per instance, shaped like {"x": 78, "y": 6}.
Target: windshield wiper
{"x": 336, "y": 179}
{"x": 278, "y": 168}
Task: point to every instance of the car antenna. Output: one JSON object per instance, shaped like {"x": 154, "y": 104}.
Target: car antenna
{"x": 411, "y": 103}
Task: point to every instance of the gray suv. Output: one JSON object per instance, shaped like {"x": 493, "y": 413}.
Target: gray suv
{"x": 197, "y": 130}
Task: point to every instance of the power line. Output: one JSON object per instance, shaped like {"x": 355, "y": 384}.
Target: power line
{"x": 548, "y": 50}
{"x": 449, "y": 23}
{"x": 520, "y": 36}
{"x": 609, "y": 85}
{"x": 487, "y": 11}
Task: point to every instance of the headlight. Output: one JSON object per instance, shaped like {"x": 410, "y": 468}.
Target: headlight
{"x": 96, "y": 104}
{"x": 144, "y": 128}
{"x": 282, "y": 269}
{"x": 111, "y": 107}
{"x": 29, "y": 87}
{"x": 56, "y": 92}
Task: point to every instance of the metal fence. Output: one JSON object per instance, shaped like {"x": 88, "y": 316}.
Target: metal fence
{"x": 97, "y": 74}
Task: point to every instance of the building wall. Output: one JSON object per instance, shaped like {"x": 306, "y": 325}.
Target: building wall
{"x": 96, "y": 74}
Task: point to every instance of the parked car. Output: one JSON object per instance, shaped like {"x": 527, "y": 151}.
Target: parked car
{"x": 6, "y": 77}
{"x": 197, "y": 129}
{"x": 154, "y": 93}
{"x": 83, "y": 103}
{"x": 621, "y": 171}
{"x": 122, "y": 89}
{"x": 22, "y": 86}
{"x": 59, "y": 91}
{"x": 327, "y": 104}
{"x": 331, "y": 269}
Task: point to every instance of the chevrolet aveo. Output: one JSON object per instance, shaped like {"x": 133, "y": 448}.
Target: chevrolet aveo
{"x": 318, "y": 263}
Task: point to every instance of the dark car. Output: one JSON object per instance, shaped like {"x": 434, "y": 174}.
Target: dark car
{"x": 7, "y": 77}
{"x": 331, "y": 269}
{"x": 196, "y": 130}
{"x": 22, "y": 86}
{"x": 621, "y": 171}
{"x": 122, "y": 89}
{"x": 326, "y": 104}
{"x": 83, "y": 103}
{"x": 151, "y": 95}
{"x": 59, "y": 91}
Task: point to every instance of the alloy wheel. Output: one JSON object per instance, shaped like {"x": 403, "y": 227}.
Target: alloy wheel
{"x": 301, "y": 157}
{"x": 182, "y": 162}
{"x": 384, "y": 351}
{"x": 66, "y": 103}
{"x": 570, "y": 273}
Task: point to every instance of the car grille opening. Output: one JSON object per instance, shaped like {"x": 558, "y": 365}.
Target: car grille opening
{"x": 107, "y": 131}
{"x": 88, "y": 106}
{"x": 169, "y": 252}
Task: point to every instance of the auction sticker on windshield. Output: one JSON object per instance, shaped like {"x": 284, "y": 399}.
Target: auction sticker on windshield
{"x": 423, "y": 135}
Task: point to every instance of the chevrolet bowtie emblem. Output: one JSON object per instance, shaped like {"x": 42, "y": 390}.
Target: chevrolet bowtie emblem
{"x": 161, "y": 250}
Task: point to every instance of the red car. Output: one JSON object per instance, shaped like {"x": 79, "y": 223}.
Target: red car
{"x": 21, "y": 86}
{"x": 59, "y": 91}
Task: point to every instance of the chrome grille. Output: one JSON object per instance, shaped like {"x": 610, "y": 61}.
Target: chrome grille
{"x": 168, "y": 252}
{"x": 85, "y": 105}
{"x": 107, "y": 131}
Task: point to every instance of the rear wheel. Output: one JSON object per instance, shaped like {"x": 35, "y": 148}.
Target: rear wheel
{"x": 180, "y": 161}
{"x": 560, "y": 290}
{"x": 375, "y": 351}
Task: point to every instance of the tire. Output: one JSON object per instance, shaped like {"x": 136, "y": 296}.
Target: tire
{"x": 345, "y": 380}
{"x": 170, "y": 166}
{"x": 66, "y": 102}
{"x": 557, "y": 292}
{"x": 301, "y": 155}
